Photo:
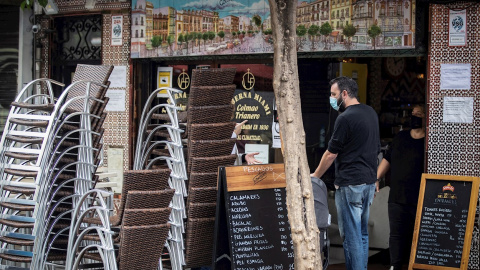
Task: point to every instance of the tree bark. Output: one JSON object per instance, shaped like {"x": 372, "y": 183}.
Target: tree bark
{"x": 300, "y": 203}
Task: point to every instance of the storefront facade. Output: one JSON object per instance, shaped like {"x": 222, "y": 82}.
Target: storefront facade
{"x": 402, "y": 68}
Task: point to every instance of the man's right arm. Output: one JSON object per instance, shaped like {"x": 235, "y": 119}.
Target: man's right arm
{"x": 327, "y": 159}
{"x": 335, "y": 145}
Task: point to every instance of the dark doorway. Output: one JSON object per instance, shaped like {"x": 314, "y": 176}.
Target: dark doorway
{"x": 77, "y": 40}
{"x": 9, "y": 24}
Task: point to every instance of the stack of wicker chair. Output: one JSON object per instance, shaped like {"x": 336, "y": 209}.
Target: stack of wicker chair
{"x": 141, "y": 225}
{"x": 48, "y": 158}
{"x": 209, "y": 128}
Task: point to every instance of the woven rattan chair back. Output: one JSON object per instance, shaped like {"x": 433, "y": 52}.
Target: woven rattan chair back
{"x": 216, "y": 131}
{"x": 210, "y": 148}
{"x": 211, "y": 164}
{"x": 146, "y": 217}
{"x": 213, "y": 76}
{"x": 201, "y": 210}
{"x": 95, "y": 73}
{"x": 199, "y": 238}
{"x": 210, "y": 114}
{"x": 198, "y": 179}
{"x": 149, "y": 199}
{"x": 142, "y": 180}
{"x": 210, "y": 95}
{"x": 202, "y": 194}
{"x": 141, "y": 246}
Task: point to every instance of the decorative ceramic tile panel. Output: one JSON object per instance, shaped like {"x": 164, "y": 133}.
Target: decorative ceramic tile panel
{"x": 66, "y": 3}
{"x": 117, "y": 124}
{"x": 109, "y": 4}
{"x": 45, "y": 57}
{"x": 70, "y": 5}
{"x": 454, "y": 148}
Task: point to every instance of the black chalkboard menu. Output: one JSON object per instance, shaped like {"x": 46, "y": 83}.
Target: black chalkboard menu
{"x": 253, "y": 211}
{"x": 444, "y": 223}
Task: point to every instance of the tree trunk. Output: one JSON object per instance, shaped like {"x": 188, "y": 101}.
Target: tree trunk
{"x": 300, "y": 203}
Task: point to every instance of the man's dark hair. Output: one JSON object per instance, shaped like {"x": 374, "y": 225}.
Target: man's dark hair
{"x": 346, "y": 83}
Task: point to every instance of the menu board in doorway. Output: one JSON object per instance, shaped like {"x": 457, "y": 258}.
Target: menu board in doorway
{"x": 444, "y": 223}
{"x": 251, "y": 210}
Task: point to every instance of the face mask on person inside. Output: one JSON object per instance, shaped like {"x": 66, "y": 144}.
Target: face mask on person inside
{"x": 337, "y": 104}
{"x": 416, "y": 122}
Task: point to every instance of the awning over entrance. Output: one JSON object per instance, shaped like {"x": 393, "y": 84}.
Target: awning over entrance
{"x": 334, "y": 33}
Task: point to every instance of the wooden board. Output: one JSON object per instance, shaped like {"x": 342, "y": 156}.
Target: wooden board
{"x": 255, "y": 177}
{"x": 444, "y": 222}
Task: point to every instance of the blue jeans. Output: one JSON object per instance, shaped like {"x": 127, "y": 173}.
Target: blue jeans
{"x": 353, "y": 208}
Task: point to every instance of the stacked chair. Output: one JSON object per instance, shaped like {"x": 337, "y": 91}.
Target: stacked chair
{"x": 141, "y": 225}
{"x": 209, "y": 129}
{"x": 159, "y": 146}
{"x": 48, "y": 159}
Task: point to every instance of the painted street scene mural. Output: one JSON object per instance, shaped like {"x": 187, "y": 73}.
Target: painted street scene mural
{"x": 162, "y": 28}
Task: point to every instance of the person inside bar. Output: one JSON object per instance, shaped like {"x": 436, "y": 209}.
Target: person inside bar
{"x": 404, "y": 159}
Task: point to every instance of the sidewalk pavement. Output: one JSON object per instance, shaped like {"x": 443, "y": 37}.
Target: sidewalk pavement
{"x": 379, "y": 261}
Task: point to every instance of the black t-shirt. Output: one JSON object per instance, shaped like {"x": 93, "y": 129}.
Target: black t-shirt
{"x": 356, "y": 140}
{"x": 406, "y": 167}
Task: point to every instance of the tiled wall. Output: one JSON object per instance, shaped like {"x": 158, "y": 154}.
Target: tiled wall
{"x": 117, "y": 130}
{"x": 117, "y": 123}
{"x": 453, "y": 148}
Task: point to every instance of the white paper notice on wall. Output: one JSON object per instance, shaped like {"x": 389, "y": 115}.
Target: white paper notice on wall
{"x": 116, "y": 102}
{"x": 118, "y": 78}
{"x": 117, "y": 30}
{"x": 458, "y": 109}
{"x": 115, "y": 165}
{"x": 455, "y": 76}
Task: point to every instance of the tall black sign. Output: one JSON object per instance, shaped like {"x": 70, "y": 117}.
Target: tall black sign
{"x": 251, "y": 210}
{"x": 444, "y": 223}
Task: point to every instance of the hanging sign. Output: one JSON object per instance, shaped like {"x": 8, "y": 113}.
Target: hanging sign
{"x": 117, "y": 29}
{"x": 164, "y": 79}
{"x": 248, "y": 80}
{"x": 256, "y": 107}
{"x": 183, "y": 80}
{"x": 457, "y": 33}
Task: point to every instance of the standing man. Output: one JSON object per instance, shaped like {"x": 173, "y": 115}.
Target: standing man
{"x": 355, "y": 145}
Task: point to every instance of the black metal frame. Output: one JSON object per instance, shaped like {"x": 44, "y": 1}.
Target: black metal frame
{"x": 71, "y": 45}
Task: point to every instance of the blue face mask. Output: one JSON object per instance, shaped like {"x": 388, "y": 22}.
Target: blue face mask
{"x": 334, "y": 103}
